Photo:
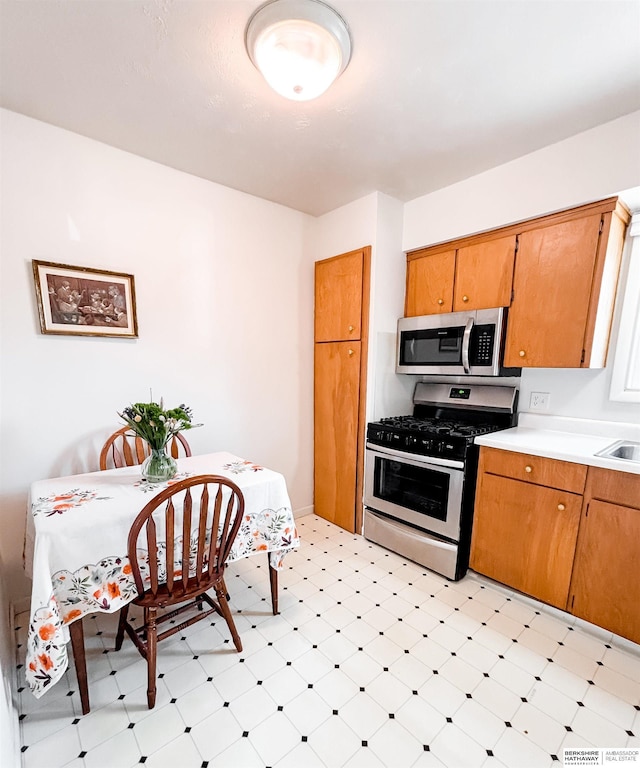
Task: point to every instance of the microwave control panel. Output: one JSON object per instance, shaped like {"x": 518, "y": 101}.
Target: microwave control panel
{"x": 482, "y": 340}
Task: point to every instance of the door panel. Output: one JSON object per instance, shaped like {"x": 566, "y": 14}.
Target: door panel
{"x": 605, "y": 587}
{"x": 338, "y": 297}
{"x": 336, "y": 394}
{"x": 484, "y": 275}
{"x": 552, "y": 289}
{"x": 430, "y": 284}
{"x": 525, "y": 535}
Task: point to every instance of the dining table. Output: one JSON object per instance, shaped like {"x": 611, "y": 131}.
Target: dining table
{"x": 76, "y": 549}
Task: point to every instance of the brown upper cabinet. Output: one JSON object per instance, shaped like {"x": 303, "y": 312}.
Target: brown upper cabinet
{"x": 484, "y": 274}
{"x": 430, "y": 284}
{"x": 476, "y": 276}
{"x": 564, "y": 289}
{"x": 557, "y": 274}
{"x": 338, "y": 298}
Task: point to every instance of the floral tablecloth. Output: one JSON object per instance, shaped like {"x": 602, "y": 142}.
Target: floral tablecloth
{"x": 76, "y": 545}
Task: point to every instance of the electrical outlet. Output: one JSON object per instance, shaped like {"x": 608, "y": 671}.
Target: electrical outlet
{"x": 539, "y": 401}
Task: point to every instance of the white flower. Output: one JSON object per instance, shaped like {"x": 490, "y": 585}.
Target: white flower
{"x": 138, "y": 417}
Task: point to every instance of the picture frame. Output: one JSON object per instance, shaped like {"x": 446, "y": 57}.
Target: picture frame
{"x": 83, "y": 301}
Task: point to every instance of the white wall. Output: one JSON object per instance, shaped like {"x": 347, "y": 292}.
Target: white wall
{"x": 388, "y": 394}
{"x": 589, "y": 166}
{"x": 224, "y": 298}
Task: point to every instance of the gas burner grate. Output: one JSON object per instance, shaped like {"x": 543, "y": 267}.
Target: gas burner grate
{"x": 436, "y": 426}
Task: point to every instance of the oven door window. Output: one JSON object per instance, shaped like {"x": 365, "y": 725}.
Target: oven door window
{"x": 423, "y": 490}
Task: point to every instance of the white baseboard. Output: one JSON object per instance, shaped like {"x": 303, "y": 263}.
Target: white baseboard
{"x": 303, "y": 511}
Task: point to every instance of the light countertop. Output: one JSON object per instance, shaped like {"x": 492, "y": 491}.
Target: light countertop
{"x": 566, "y": 439}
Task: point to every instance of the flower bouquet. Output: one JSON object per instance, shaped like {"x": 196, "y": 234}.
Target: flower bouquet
{"x": 156, "y": 426}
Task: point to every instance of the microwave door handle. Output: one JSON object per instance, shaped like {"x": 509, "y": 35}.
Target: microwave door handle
{"x": 466, "y": 341}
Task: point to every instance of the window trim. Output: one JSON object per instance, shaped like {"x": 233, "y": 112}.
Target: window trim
{"x": 626, "y": 358}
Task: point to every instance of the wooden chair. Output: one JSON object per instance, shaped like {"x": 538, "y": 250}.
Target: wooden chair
{"x": 125, "y": 449}
{"x": 188, "y": 562}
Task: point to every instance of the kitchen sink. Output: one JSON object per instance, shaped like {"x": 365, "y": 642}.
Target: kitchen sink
{"x": 629, "y": 450}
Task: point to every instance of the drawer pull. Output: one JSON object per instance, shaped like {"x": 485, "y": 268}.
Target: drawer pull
{"x": 440, "y": 302}
{"x": 465, "y": 298}
{"x": 350, "y": 353}
{"x": 351, "y": 329}
{"x": 561, "y": 507}
{"x": 528, "y": 468}
{"x": 522, "y": 353}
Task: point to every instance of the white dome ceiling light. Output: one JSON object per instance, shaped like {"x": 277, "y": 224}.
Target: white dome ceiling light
{"x": 299, "y": 46}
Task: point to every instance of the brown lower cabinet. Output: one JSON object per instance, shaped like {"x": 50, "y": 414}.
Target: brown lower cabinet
{"x": 564, "y": 533}
{"x": 605, "y": 586}
{"x": 526, "y": 522}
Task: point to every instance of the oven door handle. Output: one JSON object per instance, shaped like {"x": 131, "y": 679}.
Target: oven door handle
{"x": 415, "y": 457}
{"x": 466, "y": 341}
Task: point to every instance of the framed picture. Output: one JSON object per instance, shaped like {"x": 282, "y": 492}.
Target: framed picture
{"x": 82, "y": 301}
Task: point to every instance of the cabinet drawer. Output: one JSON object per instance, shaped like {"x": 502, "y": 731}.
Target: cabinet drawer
{"x": 534, "y": 469}
{"x": 616, "y": 487}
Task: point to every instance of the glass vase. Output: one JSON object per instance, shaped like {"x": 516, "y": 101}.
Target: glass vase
{"x": 158, "y": 466}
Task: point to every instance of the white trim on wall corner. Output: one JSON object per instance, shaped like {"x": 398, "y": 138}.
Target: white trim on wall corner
{"x": 625, "y": 373}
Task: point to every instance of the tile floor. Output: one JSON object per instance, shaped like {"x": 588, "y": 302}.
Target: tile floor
{"x": 374, "y": 661}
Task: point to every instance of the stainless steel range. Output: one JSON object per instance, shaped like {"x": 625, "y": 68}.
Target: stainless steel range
{"x": 420, "y": 472}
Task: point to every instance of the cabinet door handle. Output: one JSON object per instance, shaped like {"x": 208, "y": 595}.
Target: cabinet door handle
{"x": 350, "y": 353}
{"x": 522, "y": 353}
{"x": 465, "y": 298}
{"x": 440, "y": 302}
{"x": 561, "y": 507}
{"x": 528, "y": 469}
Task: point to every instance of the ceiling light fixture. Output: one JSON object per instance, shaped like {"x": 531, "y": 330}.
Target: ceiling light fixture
{"x": 299, "y": 46}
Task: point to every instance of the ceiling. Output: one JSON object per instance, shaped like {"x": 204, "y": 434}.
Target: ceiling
{"x": 436, "y": 90}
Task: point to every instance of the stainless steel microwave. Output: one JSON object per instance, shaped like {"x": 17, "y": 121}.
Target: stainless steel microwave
{"x": 454, "y": 344}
